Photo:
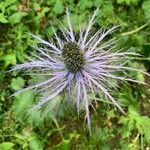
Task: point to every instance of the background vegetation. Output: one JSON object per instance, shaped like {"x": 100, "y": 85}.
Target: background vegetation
{"x": 110, "y": 129}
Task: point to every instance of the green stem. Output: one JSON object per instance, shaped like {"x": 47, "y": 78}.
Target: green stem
{"x": 134, "y": 31}
{"x": 58, "y": 128}
{"x": 139, "y": 58}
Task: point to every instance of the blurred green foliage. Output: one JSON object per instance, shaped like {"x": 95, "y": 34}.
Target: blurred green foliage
{"x": 110, "y": 129}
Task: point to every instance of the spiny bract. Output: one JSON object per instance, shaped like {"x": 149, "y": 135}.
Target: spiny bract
{"x": 80, "y": 65}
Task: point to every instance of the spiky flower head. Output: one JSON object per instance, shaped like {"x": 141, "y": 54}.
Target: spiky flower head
{"x": 78, "y": 64}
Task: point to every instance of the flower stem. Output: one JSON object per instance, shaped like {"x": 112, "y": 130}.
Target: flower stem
{"x": 55, "y": 121}
{"x": 140, "y": 58}
{"x": 134, "y": 31}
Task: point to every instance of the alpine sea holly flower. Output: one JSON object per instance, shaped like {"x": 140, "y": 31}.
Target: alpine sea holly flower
{"x": 80, "y": 65}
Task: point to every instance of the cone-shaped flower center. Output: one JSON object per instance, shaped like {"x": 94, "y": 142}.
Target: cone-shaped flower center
{"x": 73, "y": 57}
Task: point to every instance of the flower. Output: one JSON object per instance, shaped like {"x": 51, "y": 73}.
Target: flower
{"x": 78, "y": 64}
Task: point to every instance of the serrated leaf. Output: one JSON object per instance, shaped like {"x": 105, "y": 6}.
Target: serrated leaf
{"x": 133, "y": 110}
{"x": 127, "y": 2}
{"x": 16, "y": 17}
{"x": 45, "y": 10}
{"x": 22, "y": 103}
{"x": 37, "y": 6}
{"x": 143, "y": 126}
{"x": 35, "y": 143}
{"x": 3, "y": 18}
{"x": 35, "y": 118}
{"x": 2, "y": 7}
{"x": 58, "y": 7}
{"x": 137, "y": 75}
{"x": 6, "y": 146}
{"x": 83, "y": 4}
{"x": 17, "y": 83}
{"x": 146, "y": 9}
{"x": 10, "y": 59}
{"x": 8, "y": 2}
{"x": 19, "y": 136}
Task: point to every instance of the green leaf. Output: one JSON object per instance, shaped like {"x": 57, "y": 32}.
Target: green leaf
{"x": 143, "y": 126}
{"x": 137, "y": 75}
{"x": 19, "y": 136}
{"x": 8, "y": 2}
{"x": 17, "y": 83}
{"x": 2, "y": 7}
{"x": 10, "y": 59}
{"x": 64, "y": 145}
{"x": 35, "y": 118}
{"x": 45, "y": 10}
{"x": 37, "y": 6}
{"x": 3, "y": 18}
{"x": 22, "y": 103}
{"x": 146, "y": 9}
{"x": 133, "y": 110}
{"x": 16, "y": 17}
{"x": 83, "y": 4}
{"x": 6, "y": 146}
{"x": 35, "y": 143}
{"x": 58, "y": 7}
{"x": 128, "y": 2}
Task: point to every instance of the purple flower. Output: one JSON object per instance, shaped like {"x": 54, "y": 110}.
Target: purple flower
{"x": 79, "y": 65}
